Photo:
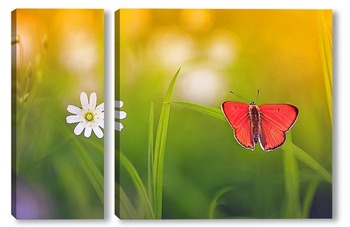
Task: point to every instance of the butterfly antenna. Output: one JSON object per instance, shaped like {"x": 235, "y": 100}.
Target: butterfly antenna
{"x": 240, "y": 96}
{"x": 257, "y": 94}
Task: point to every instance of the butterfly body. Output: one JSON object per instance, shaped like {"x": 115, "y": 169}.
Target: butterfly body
{"x": 254, "y": 115}
{"x": 267, "y": 123}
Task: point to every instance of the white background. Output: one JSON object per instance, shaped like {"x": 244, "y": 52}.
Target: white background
{"x": 341, "y": 91}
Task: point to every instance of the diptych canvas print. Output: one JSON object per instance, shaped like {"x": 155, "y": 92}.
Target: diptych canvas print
{"x": 180, "y": 157}
{"x": 57, "y": 114}
{"x": 219, "y": 114}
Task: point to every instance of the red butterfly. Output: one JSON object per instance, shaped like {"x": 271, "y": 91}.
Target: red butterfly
{"x": 266, "y": 123}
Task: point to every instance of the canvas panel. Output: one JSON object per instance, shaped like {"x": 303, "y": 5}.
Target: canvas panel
{"x": 177, "y": 158}
{"x": 57, "y": 119}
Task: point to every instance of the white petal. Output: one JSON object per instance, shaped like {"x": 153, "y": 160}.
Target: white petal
{"x": 118, "y": 126}
{"x": 101, "y": 116}
{"x": 120, "y": 114}
{"x": 101, "y": 123}
{"x": 79, "y": 128}
{"x": 118, "y": 104}
{"x": 73, "y": 109}
{"x": 84, "y": 100}
{"x": 100, "y": 107}
{"x": 88, "y": 130}
{"x": 98, "y": 131}
{"x": 74, "y": 119}
{"x": 93, "y": 100}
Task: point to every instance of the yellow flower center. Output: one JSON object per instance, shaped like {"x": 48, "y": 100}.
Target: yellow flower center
{"x": 89, "y": 116}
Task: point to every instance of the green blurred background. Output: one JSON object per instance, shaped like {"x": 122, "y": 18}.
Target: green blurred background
{"x": 278, "y": 52}
{"x": 57, "y": 54}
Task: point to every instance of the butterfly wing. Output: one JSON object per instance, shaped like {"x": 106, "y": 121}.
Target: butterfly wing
{"x": 237, "y": 115}
{"x": 276, "y": 120}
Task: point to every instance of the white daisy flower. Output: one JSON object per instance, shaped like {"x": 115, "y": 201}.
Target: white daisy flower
{"x": 90, "y": 117}
{"x": 119, "y": 115}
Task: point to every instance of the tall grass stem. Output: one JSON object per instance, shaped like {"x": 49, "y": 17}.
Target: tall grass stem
{"x": 291, "y": 180}
{"x": 159, "y": 153}
{"x": 140, "y": 188}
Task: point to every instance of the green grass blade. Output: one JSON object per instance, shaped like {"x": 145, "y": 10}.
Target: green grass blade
{"x": 310, "y": 193}
{"x": 91, "y": 170}
{"x": 89, "y": 166}
{"x": 325, "y": 43}
{"x": 214, "y": 202}
{"x": 312, "y": 163}
{"x": 150, "y": 155}
{"x": 211, "y": 111}
{"x": 127, "y": 210}
{"x": 140, "y": 188}
{"x": 158, "y": 164}
{"x": 291, "y": 180}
